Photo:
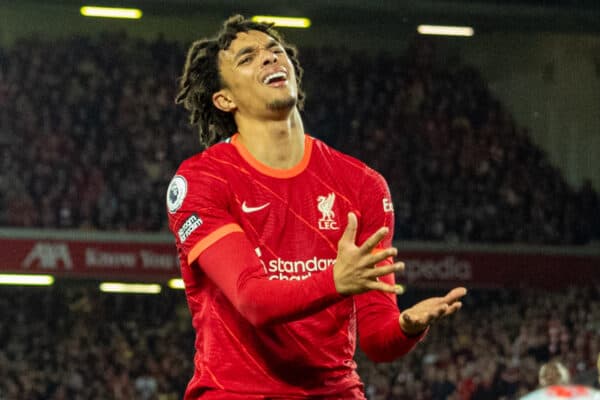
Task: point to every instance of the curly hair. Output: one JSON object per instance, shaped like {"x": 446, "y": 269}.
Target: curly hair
{"x": 201, "y": 78}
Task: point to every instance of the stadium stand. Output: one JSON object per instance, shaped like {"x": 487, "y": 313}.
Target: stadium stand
{"x": 90, "y": 138}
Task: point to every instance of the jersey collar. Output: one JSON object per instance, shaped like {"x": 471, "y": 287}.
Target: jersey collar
{"x": 273, "y": 172}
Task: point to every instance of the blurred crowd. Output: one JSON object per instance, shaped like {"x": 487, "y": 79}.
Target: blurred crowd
{"x": 494, "y": 347}
{"x": 73, "y": 343}
{"x": 459, "y": 168}
{"x": 90, "y": 137}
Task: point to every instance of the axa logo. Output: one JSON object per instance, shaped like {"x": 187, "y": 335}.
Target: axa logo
{"x": 325, "y": 206}
{"x": 48, "y": 256}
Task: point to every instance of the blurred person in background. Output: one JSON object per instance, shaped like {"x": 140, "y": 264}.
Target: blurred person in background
{"x": 597, "y": 385}
{"x": 555, "y": 382}
{"x": 554, "y": 373}
{"x": 276, "y": 286}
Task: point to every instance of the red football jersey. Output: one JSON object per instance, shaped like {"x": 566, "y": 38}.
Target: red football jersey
{"x": 574, "y": 392}
{"x": 256, "y": 247}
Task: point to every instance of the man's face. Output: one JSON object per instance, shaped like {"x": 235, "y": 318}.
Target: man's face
{"x": 258, "y": 75}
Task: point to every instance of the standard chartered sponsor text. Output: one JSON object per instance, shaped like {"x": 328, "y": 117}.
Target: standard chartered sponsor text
{"x": 296, "y": 270}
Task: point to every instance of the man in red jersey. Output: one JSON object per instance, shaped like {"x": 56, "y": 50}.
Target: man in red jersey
{"x": 284, "y": 243}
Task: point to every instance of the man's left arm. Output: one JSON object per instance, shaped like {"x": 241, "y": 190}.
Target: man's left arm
{"x": 378, "y": 317}
{"x": 384, "y": 332}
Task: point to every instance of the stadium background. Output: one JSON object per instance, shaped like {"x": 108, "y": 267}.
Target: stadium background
{"x": 489, "y": 143}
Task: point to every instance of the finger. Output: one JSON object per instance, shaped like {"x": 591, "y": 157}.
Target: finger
{"x": 449, "y": 310}
{"x": 441, "y": 311}
{"x": 454, "y": 295}
{"x": 384, "y": 287}
{"x": 453, "y": 308}
{"x": 433, "y": 315}
{"x": 407, "y": 318}
{"x": 374, "y": 240}
{"x": 349, "y": 234}
{"x": 384, "y": 270}
{"x": 378, "y": 256}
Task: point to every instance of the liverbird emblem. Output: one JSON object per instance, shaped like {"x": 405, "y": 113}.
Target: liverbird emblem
{"x": 325, "y": 206}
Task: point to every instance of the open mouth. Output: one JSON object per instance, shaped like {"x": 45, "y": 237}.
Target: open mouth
{"x": 275, "y": 79}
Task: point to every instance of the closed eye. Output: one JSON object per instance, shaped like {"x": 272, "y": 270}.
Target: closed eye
{"x": 245, "y": 60}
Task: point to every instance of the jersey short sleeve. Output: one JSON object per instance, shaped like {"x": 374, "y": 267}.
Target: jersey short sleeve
{"x": 197, "y": 206}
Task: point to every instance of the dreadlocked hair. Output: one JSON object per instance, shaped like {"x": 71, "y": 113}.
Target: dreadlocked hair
{"x": 201, "y": 78}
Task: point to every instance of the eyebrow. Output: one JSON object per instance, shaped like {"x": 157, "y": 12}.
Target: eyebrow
{"x": 249, "y": 49}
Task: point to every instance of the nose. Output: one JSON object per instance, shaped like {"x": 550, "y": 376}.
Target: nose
{"x": 269, "y": 57}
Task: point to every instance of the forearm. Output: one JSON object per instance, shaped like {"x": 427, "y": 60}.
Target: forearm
{"x": 233, "y": 266}
{"x": 380, "y": 334}
{"x": 387, "y": 342}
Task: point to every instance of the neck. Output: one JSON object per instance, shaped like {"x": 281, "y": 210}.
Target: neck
{"x": 278, "y": 144}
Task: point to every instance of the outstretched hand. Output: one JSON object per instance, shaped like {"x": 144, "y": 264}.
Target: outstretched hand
{"x": 354, "y": 270}
{"x": 417, "y": 318}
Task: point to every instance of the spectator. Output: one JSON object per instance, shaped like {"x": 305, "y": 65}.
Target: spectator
{"x": 554, "y": 373}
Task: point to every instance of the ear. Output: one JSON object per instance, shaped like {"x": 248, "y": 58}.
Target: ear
{"x": 223, "y": 101}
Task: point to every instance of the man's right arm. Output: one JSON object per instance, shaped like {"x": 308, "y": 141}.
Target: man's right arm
{"x": 233, "y": 266}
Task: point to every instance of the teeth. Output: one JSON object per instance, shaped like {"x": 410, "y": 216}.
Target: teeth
{"x": 270, "y": 77}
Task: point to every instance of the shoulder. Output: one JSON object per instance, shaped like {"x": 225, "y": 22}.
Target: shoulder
{"x": 347, "y": 165}
{"x": 201, "y": 173}
{"x": 321, "y": 149}
{"x": 208, "y": 160}
{"x": 201, "y": 180}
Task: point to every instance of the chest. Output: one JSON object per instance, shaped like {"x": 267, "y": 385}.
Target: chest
{"x": 293, "y": 216}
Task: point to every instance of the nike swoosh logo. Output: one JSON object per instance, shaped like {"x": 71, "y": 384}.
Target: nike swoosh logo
{"x": 247, "y": 209}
